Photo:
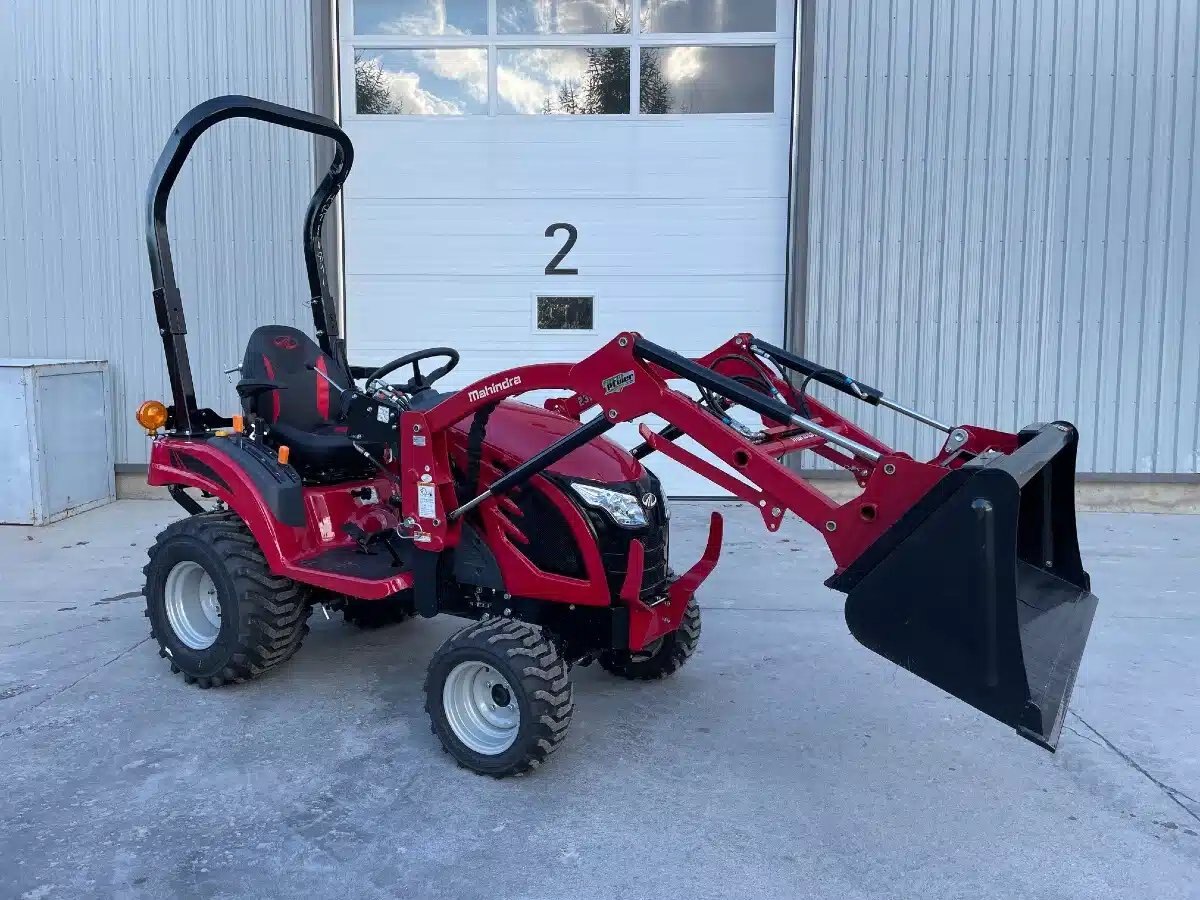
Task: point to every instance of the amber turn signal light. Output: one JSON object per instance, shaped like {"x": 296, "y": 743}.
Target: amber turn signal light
{"x": 152, "y": 415}
{"x": 239, "y": 424}
{"x": 284, "y": 453}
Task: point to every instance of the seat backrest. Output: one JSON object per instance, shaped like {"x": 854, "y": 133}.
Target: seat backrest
{"x": 283, "y": 354}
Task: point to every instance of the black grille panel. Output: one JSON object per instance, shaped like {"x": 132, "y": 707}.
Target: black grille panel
{"x": 551, "y": 546}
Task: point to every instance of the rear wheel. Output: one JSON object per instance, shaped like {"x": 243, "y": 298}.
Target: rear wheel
{"x": 499, "y": 697}
{"x": 217, "y": 612}
{"x": 661, "y": 658}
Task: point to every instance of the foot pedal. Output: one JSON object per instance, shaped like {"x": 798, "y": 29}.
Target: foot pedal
{"x": 387, "y": 537}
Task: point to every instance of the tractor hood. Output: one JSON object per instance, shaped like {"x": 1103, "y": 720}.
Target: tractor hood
{"x": 520, "y": 431}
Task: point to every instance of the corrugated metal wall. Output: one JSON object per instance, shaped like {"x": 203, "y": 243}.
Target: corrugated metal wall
{"x": 89, "y": 92}
{"x": 1004, "y": 217}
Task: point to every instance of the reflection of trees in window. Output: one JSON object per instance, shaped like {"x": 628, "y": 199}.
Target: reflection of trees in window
{"x": 371, "y": 93}
{"x": 568, "y": 99}
{"x": 605, "y": 87}
{"x": 606, "y": 84}
{"x": 655, "y": 92}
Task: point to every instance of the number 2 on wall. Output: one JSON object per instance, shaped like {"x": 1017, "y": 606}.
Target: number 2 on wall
{"x": 572, "y": 237}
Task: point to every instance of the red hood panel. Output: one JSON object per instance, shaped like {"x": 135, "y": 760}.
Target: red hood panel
{"x": 521, "y": 431}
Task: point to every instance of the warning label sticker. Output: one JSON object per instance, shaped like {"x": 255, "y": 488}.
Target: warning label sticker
{"x": 426, "y": 501}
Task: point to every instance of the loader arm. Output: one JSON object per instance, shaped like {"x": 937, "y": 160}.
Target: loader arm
{"x": 964, "y": 569}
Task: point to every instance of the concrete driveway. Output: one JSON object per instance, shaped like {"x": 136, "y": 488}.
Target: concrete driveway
{"x": 783, "y": 761}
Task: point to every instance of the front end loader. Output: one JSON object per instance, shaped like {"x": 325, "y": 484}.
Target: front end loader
{"x": 339, "y": 486}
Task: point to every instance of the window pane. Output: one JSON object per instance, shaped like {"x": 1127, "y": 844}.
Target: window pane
{"x": 708, "y": 80}
{"x": 707, "y": 16}
{"x": 565, "y": 313}
{"x": 563, "y": 80}
{"x": 562, "y": 16}
{"x": 420, "y": 16}
{"x": 448, "y": 82}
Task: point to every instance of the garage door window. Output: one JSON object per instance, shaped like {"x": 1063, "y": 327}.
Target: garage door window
{"x": 565, "y": 314}
{"x": 691, "y": 79}
{"x": 563, "y": 80}
{"x": 450, "y": 17}
{"x": 441, "y": 81}
{"x": 456, "y": 58}
{"x": 560, "y": 16}
{"x": 707, "y": 16}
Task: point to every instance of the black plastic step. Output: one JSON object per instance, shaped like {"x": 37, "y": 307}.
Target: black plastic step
{"x": 350, "y": 561}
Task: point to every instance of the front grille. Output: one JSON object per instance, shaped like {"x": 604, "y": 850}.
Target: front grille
{"x": 551, "y": 545}
{"x": 614, "y": 541}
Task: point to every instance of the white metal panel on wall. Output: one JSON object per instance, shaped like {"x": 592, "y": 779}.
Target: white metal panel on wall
{"x": 1005, "y": 217}
{"x": 89, "y": 92}
{"x": 681, "y": 221}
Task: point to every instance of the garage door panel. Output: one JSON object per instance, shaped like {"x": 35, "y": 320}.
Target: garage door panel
{"x": 436, "y": 159}
{"x": 713, "y": 237}
{"x": 397, "y": 313}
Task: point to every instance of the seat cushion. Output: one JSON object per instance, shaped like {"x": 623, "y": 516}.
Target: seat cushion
{"x": 323, "y": 447}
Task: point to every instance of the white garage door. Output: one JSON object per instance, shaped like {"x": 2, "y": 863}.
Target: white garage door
{"x": 533, "y": 176}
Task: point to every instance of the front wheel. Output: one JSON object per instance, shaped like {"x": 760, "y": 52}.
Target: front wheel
{"x": 499, "y": 697}
{"x": 662, "y": 657}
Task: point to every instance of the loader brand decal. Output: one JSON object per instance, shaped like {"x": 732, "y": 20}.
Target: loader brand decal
{"x": 489, "y": 389}
{"x": 618, "y": 382}
{"x": 284, "y": 342}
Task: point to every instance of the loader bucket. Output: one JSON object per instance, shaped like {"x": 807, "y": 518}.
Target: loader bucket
{"x": 979, "y": 588}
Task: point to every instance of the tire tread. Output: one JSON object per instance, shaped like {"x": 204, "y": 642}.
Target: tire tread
{"x": 544, "y": 677}
{"x": 273, "y": 610}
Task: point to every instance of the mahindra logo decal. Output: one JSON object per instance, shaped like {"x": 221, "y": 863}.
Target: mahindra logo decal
{"x": 495, "y": 388}
{"x": 286, "y": 342}
{"x": 618, "y": 382}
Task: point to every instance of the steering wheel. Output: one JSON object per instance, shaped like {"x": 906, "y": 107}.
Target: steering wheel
{"x": 418, "y": 382}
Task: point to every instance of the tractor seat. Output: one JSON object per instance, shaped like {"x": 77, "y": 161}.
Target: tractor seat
{"x": 306, "y": 412}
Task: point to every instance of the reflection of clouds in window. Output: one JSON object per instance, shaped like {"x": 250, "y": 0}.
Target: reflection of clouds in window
{"x": 430, "y": 82}
{"x": 707, "y": 16}
{"x": 420, "y": 16}
{"x": 562, "y": 16}
{"x": 563, "y": 80}
{"x": 709, "y": 79}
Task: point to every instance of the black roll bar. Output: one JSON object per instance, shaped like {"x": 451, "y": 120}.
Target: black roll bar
{"x": 168, "y": 306}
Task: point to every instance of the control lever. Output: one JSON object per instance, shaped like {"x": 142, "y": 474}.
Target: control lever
{"x": 313, "y": 368}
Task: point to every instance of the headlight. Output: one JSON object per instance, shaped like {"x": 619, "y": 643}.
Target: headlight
{"x": 624, "y": 509}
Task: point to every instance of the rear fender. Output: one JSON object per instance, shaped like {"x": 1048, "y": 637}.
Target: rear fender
{"x": 267, "y": 496}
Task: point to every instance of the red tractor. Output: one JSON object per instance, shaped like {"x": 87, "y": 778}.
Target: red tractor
{"x": 343, "y": 486}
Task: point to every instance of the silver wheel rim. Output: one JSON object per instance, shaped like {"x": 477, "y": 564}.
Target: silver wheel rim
{"x": 193, "y": 607}
{"x": 481, "y": 707}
